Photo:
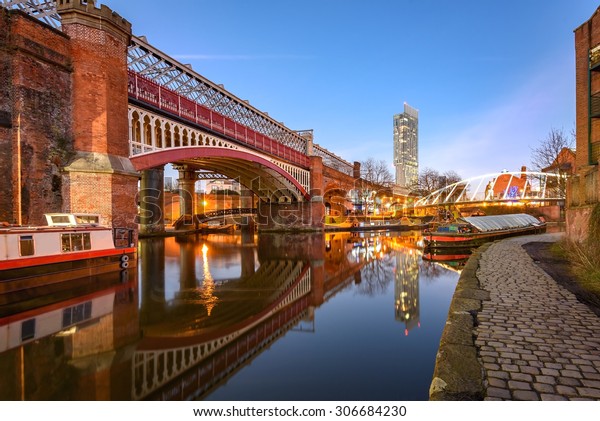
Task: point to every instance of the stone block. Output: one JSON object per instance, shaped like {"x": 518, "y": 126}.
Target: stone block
{"x": 457, "y": 374}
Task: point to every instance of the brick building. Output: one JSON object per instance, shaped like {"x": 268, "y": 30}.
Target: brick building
{"x": 583, "y": 191}
{"x": 63, "y": 116}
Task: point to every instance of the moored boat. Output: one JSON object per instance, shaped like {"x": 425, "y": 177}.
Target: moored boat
{"x": 71, "y": 246}
{"x": 476, "y": 230}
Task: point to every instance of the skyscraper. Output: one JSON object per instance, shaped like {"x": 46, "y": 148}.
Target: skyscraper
{"x": 406, "y": 146}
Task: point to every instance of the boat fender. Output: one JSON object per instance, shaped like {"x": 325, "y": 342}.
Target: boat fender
{"x": 124, "y": 258}
{"x": 124, "y": 265}
{"x": 124, "y": 276}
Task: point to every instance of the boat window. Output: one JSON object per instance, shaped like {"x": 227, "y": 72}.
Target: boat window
{"x": 87, "y": 241}
{"x": 27, "y": 330}
{"x": 60, "y": 219}
{"x": 66, "y": 242}
{"x": 87, "y": 219}
{"x": 26, "y": 247}
{"x": 76, "y": 242}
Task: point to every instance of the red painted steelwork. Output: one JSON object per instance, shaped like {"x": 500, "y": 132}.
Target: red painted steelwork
{"x": 151, "y": 93}
{"x": 145, "y": 161}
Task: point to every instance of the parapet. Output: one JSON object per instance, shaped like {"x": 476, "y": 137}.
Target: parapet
{"x": 86, "y": 13}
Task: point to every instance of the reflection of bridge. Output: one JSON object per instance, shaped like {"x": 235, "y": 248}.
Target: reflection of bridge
{"x": 505, "y": 188}
{"x": 169, "y": 114}
{"x": 165, "y": 363}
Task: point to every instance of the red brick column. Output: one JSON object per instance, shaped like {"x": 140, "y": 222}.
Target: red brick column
{"x": 100, "y": 178}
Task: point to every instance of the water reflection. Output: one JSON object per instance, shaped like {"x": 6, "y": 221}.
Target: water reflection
{"x": 276, "y": 317}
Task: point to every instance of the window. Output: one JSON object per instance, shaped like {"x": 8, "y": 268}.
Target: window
{"x": 27, "y": 330}
{"x": 60, "y": 219}
{"x": 76, "y": 242}
{"x": 26, "y": 247}
{"x": 87, "y": 219}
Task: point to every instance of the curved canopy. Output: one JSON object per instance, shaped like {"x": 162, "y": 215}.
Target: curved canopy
{"x": 502, "y": 222}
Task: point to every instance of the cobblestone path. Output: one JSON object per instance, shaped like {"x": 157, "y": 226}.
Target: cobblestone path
{"x": 535, "y": 340}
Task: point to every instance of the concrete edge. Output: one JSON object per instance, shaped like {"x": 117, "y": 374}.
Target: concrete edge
{"x": 458, "y": 374}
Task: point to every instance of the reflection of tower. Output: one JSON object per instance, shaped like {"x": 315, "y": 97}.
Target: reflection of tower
{"x": 406, "y": 288}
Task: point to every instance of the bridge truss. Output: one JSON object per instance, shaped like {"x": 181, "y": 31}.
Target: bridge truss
{"x": 156, "y": 66}
{"x": 525, "y": 187}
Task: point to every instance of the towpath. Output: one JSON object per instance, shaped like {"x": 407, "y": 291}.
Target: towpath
{"x": 514, "y": 333}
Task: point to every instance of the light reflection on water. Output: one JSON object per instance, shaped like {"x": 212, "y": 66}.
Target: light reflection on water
{"x": 230, "y": 317}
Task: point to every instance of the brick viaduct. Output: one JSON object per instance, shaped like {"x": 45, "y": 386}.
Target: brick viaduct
{"x": 63, "y": 118}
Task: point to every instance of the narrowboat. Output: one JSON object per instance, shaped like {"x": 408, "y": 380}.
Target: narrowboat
{"x": 71, "y": 246}
{"x": 473, "y": 231}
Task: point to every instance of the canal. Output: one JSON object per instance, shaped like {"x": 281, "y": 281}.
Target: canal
{"x": 340, "y": 316}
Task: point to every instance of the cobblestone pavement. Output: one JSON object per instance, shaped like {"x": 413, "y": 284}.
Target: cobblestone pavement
{"x": 535, "y": 340}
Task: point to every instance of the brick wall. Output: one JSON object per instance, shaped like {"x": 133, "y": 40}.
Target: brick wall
{"x": 100, "y": 91}
{"x": 36, "y": 80}
{"x": 70, "y": 90}
{"x": 583, "y": 188}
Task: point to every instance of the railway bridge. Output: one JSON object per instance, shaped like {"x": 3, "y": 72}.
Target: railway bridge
{"x": 115, "y": 110}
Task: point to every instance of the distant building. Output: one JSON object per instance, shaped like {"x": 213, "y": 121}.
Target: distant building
{"x": 563, "y": 164}
{"x": 508, "y": 186}
{"x": 406, "y": 147}
{"x": 220, "y": 186}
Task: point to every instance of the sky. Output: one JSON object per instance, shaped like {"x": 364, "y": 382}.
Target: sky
{"x": 490, "y": 78}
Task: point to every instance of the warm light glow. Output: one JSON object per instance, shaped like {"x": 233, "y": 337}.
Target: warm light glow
{"x": 208, "y": 285}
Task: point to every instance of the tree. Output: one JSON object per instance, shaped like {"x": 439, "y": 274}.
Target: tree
{"x": 430, "y": 180}
{"x": 555, "y": 154}
{"x": 375, "y": 177}
{"x": 548, "y": 152}
{"x": 376, "y": 172}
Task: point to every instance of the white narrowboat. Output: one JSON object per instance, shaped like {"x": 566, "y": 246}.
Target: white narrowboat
{"x": 71, "y": 246}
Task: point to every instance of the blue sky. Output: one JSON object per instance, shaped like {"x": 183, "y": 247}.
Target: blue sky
{"x": 489, "y": 78}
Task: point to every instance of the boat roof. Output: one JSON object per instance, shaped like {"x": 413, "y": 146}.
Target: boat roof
{"x": 502, "y": 222}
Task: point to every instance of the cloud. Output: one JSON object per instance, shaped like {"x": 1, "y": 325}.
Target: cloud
{"x": 501, "y": 137}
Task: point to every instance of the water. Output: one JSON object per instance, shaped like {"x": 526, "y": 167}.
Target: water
{"x": 230, "y": 317}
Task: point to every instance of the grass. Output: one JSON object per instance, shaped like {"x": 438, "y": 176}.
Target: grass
{"x": 585, "y": 260}
{"x": 584, "y": 256}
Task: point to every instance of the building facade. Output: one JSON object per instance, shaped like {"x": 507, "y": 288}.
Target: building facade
{"x": 406, "y": 146}
{"x": 583, "y": 190}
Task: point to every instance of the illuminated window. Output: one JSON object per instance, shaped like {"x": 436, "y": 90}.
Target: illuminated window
{"x": 87, "y": 219}
{"x": 76, "y": 242}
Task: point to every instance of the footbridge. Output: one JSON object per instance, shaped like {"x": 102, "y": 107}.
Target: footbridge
{"x": 176, "y": 116}
{"x": 508, "y": 189}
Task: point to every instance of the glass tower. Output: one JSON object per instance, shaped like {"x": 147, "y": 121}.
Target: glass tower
{"x": 406, "y": 146}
